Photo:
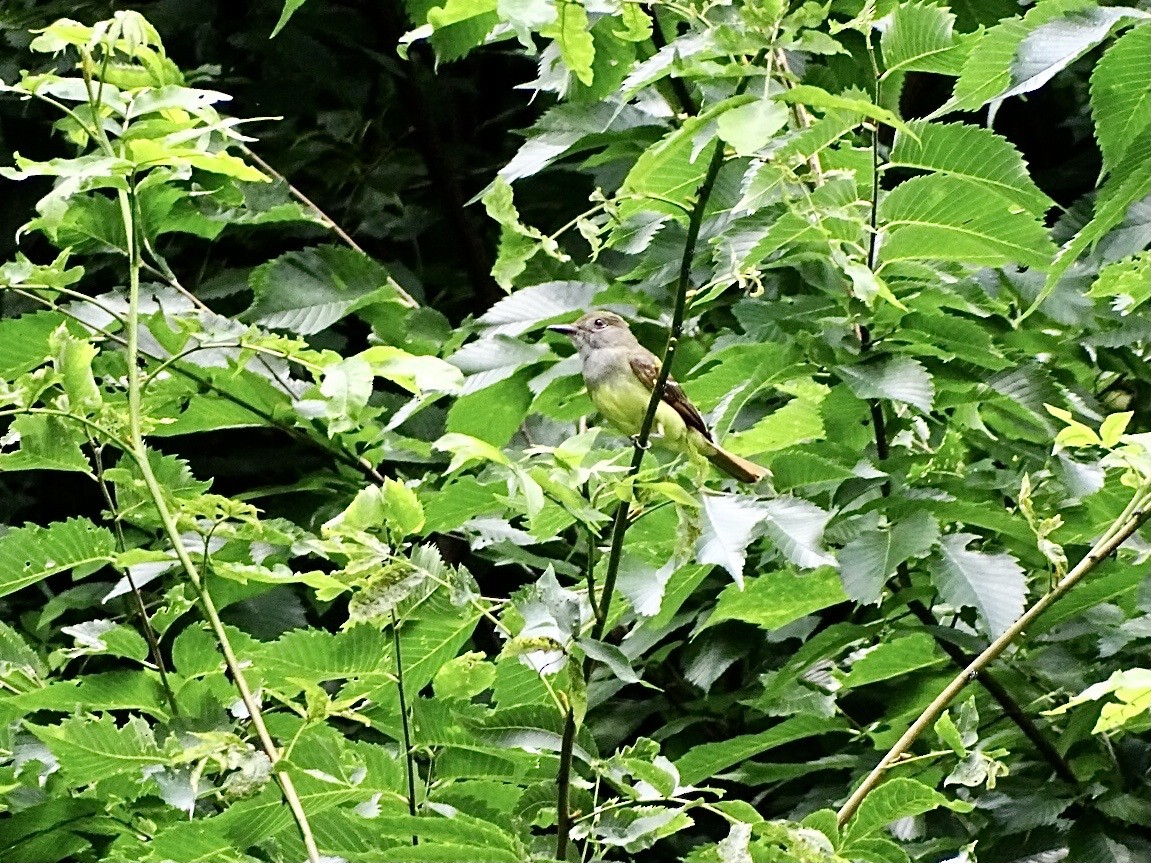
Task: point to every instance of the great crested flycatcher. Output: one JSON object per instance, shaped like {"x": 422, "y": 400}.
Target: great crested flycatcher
{"x": 620, "y": 374}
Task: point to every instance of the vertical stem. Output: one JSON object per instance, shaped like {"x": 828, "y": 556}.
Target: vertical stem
{"x": 882, "y": 449}
{"x": 139, "y": 452}
{"x": 404, "y": 720}
{"x": 620, "y": 521}
{"x": 563, "y": 783}
{"x": 141, "y": 609}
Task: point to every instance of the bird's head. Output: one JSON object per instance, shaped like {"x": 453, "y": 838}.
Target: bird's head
{"x": 597, "y": 329}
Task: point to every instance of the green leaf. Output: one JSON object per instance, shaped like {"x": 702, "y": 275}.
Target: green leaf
{"x": 519, "y": 243}
{"x": 973, "y": 153}
{"x": 749, "y": 127}
{"x": 493, "y": 414}
{"x": 529, "y": 307}
{"x": 530, "y": 728}
{"x": 1127, "y": 281}
{"x": 73, "y": 360}
{"x": 872, "y": 557}
{"x": 897, "y": 798}
{"x": 667, "y": 174}
{"x": 612, "y": 657}
{"x": 994, "y": 584}
{"x": 309, "y": 291}
{"x": 857, "y": 103}
{"x": 794, "y": 468}
{"x": 24, "y": 342}
{"x": 113, "y": 690}
{"x": 317, "y": 656}
{"x": 1118, "y": 197}
{"x": 464, "y": 677}
{"x": 147, "y": 153}
{"x": 416, "y": 373}
{"x": 778, "y": 598}
{"x": 29, "y": 554}
{"x": 920, "y": 37}
{"x": 346, "y": 387}
{"x": 458, "y": 26}
{"x": 91, "y": 749}
{"x": 1130, "y": 691}
{"x": 898, "y": 379}
{"x": 46, "y": 443}
{"x": 1021, "y": 55}
{"x": 945, "y": 218}
{"x": 290, "y": 7}
{"x": 893, "y": 659}
{"x": 708, "y": 759}
{"x": 797, "y": 422}
{"x": 1121, "y": 95}
{"x": 570, "y": 32}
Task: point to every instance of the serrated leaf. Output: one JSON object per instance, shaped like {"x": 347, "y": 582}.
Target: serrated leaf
{"x": 872, "y": 557}
{"x": 748, "y": 128}
{"x": 310, "y": 290}
{"x": 530, "y": 306}
{"x": 1021, "y": 54}
{"x": 24, "y": 342}
{"x": 893, "y": 659}
{"x": 1126, "y": 282}
{"x": 29, "y": 554}
{"x": 945, "y": 218}
{"x": 971, "y": 152}
{"x": 855, "y": 101}
{"x": 667, "y": 175}
{"x": 994, "y": 584}
{"x": 919, "y": 37}
{"x": 576, "y": 45}
{"x": 536, "y": 729}
{"x": 93, "y": 749}
{"x": 708, "y": 759}
{"x": 416, "y": 373}
{"x": 729, "y": 522}
{"x": 1121, "y": 95}
{"x": 795, "y": 527}
{"x": 897, "y": 798}
{"x": 46, "y": 443}
{"x": 799, "y": 421}
{"x": 899, "y": 379}
{"x": 778, "y": 598}
{"x": 1125, "y": 191}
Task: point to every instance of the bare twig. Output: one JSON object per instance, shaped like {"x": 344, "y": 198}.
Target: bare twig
{"x": 328, "y": 222}
{"x": 1122, "y": 528}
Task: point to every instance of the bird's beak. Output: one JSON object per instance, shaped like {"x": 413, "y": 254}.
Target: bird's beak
{"x": 564, "y": 330}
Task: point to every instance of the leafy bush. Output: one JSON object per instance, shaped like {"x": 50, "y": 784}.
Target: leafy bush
{"x": 298, "y": 570}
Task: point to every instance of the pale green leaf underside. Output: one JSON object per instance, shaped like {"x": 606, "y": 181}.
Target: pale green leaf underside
{"x": 994, "y": 584}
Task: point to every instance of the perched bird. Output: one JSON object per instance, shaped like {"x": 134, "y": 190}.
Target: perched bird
{"x": 620, "y": 374}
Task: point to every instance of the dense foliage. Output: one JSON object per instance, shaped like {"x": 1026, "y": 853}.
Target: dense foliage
{"x": 311, "y": 554}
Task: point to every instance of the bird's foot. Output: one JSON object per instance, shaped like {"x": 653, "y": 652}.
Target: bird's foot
{"x": 644, "y": 445}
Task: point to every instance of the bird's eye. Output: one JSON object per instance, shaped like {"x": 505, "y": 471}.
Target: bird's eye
{"x": 599, "y": 323}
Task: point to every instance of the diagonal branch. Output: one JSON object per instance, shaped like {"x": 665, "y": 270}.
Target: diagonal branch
{"x": 1122, "y": 528}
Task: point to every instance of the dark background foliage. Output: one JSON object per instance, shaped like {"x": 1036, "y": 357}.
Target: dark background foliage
{"x": 397, "y": 151}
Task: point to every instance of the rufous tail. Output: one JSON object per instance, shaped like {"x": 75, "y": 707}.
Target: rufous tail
{"x": 737, "y": 466}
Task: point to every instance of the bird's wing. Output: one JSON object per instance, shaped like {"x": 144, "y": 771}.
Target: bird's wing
{"x": 646, "y": 368}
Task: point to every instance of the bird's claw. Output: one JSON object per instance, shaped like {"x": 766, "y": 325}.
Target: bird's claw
{"x": 644, "y": 445}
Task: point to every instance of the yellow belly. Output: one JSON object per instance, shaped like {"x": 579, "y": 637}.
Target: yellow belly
{"x": 623, "y": 400}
